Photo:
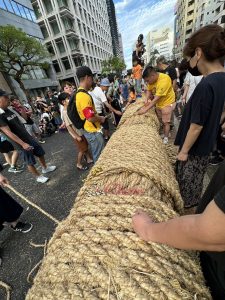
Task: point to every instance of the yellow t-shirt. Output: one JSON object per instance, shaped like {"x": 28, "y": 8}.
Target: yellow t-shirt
{"x": 84, "y": 101}
{"x": 162, "y": 88}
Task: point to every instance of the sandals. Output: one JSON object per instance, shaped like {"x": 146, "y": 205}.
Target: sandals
{"x": 84, "y": 168}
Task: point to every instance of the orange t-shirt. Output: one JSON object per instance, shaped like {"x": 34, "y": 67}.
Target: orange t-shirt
{"x": 137, "y": 72}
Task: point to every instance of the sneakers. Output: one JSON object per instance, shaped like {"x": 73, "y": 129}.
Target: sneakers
{"x": 42, "y": 179}
{"x": 165, "y": 140}
{"x": 48, "y": 169}
{"x": 22, "y": 227}
{"x": 15, "y": 169}
{"x": 216, "y": 161}
{"x": 41, "y": 142}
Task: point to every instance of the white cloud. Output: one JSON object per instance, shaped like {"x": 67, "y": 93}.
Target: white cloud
{"x": 135, "y": 17}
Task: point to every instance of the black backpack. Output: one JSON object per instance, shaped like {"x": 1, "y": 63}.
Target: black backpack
{"x": 73, "y": 113}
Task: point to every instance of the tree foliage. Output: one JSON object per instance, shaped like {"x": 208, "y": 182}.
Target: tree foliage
{"x": 113, "y": 65}
{"x": 19, "y": 52}
{"x": 153, "y": 54}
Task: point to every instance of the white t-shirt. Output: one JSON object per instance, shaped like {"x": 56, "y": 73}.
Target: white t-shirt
{"x": 192, "y": 82}
{"x": 99, "y": 99}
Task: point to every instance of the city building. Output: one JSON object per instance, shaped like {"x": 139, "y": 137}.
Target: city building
{"x": 185, "y": 18}
{"x": 76, "y": 33}
{"x": 121, "y": 46}
{"x": 208, "y": 12}
{"x": 20, "y": 14}
{"x": 159, "y": 42}
{"x": 113, "y": 27}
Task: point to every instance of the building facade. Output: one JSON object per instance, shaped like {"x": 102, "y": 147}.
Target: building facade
{"x": 121, "y": 46}
{"x": 160, "y": 42}
{"x": 192, "y": 15}
{"x": 20, "y": 14}
{"x": 186, "y": 11}
{"x": 208, "y": 12}
{"x": 113, "y": 27}
{"x": 75, "y": 33}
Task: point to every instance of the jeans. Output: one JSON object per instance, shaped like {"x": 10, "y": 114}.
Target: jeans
{"x": 138, "y": 86}
{"x": 96, "y": 142}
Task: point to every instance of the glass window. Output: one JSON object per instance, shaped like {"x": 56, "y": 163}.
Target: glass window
{"x": 56, "y": 66}
{"x": 9, "y": 6}
{"x": 22, "y": 11}
{"x": 66, "y": 63}
{"x": 55, "y": 27}
{"x": 61, "y": 46}
{"x": 2, "y": 4}
{"x": 27, "y": 12}
{"x": 33, "y": 16}
{"x": 16, "y": 8}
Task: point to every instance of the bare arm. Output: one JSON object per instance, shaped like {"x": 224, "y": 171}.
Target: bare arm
{"x": 73, "y": 132}
{"x": 148, "y": 106}
{"x": 186, "y": 89}
{"x": 192, "y": 136}
{"x": 175, "y": 85}
{"x": 117, "y": 112}
{"x": 97, "y": 118}
{"x": 6, "y": 130}
{"x": 193, "y": 232}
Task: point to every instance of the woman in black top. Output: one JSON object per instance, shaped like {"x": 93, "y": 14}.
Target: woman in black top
{"x": 205, "y": 52}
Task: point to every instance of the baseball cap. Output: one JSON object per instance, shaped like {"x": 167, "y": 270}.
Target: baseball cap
{"x": 4, "y": 93}
{"x": 84, "y": 71}
{"x": 105, "y": 82}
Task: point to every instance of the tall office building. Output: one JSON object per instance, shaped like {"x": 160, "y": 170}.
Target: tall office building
{"x": 121, "y": 46}
{"x": 76, "y": 33}
{"x": 113, "y": 27}
{"x": 21, "y": 15}
{"x": 184, "y": 24}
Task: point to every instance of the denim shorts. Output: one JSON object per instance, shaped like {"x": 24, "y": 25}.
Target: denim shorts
{"x": 29, "y": 156}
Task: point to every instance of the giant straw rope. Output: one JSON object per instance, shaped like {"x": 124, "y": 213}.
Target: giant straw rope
{"x": 95, "y": 254}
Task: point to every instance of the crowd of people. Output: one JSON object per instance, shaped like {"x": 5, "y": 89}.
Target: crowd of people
{"x": 191, "y": 92}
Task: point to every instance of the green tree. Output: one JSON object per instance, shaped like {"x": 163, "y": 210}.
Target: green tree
{"x": 113, "y": 65}
{"x": 19, "y": 52}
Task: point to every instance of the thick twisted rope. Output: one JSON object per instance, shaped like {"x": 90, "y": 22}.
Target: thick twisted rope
{"x": 95, "y": 254}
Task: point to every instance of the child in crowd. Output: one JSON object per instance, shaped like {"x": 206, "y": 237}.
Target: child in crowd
{"x": 76, "y": 134}
{"x": 137, "y": 75}
{"x": 132, "y": 96}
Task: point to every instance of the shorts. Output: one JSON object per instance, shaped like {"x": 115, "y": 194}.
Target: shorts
{"x": 83, "y": 145}
{"x": 29, "y": 156}
{"x": 105, "y": 125}
{"x": 165, "y": 114}
{"x": 32, "y": 129}
{"x": 6, "y": 147}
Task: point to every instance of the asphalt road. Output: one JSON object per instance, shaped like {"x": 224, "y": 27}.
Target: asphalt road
{"x": 56, "y": 197}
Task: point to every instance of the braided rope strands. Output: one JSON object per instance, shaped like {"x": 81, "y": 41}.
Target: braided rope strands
{"x": 94, "y": 254}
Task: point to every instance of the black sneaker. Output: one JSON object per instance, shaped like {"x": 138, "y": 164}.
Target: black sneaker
{"x": 22, "y": 227}
{"x": 216, "y": 161}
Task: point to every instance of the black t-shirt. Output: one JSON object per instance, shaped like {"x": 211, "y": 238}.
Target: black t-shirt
{"x": 204, "y": 108}
{"x": 215, "y": 263}
{"x": 171, "y": 71}
{"x": 10, "y": 119}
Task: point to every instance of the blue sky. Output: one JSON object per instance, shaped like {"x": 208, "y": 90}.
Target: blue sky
{"x": 141, "y": 16}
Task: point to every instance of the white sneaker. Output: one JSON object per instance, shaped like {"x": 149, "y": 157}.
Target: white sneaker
{"x": 48, "y": 169}
{"x": 42, "y": 179}
{"x": 165, "y": 140}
